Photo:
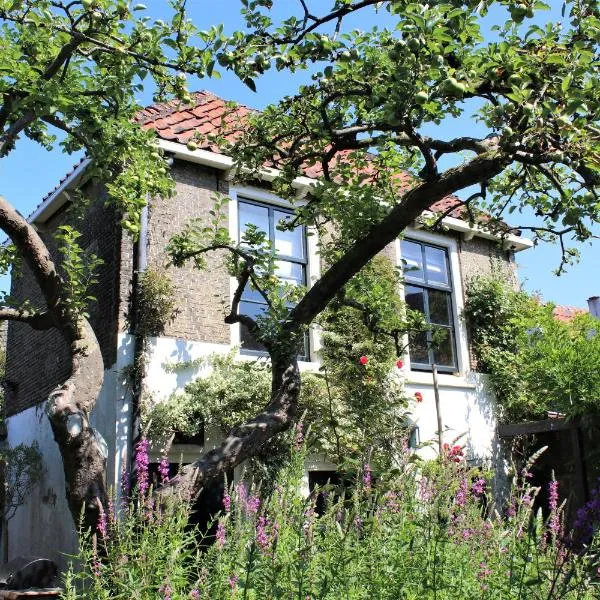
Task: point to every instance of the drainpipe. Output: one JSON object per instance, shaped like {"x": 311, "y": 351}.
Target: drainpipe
{"x": 594, "y": 306}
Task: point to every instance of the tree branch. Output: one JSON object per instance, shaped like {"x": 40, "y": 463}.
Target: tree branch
{"x": 414, "y": 202}
{"x": 36, "y": 320}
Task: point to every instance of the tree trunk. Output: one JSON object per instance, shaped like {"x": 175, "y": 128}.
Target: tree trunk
{"x": 83, "y": 450}
{"x": 244, "y": 440}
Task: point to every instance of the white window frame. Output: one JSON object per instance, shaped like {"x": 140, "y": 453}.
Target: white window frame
{"x": 313, "y": 269}
{"x": 460, "y": 330}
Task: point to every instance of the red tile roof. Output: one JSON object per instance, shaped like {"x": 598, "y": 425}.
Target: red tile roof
{"x": 209, "y": 114}
{"x": 567, "y": 313}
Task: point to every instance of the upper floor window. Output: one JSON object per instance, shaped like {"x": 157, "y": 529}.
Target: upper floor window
{"x": 290, "y": 256}
{"x": 428, "y": 289}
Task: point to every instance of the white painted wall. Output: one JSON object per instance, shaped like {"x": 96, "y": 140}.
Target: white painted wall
{"x": 43, "y": 526}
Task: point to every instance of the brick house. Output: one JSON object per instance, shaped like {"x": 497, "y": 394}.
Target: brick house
{"x": 37, "y": 360}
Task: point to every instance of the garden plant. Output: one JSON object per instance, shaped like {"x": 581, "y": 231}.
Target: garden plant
{"x": 428, "y": 530}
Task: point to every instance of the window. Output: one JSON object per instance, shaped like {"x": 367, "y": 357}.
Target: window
{"x": 290, "y": 252}
{"x": 428, "y": 289}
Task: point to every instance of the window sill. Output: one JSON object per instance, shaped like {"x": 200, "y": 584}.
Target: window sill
{"x": 446, "y": 380}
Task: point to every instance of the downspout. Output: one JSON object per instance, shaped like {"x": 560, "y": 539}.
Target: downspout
{"x": 140, "y": 264}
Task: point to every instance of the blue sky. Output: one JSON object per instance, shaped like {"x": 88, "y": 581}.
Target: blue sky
{"x": 31, "y": 172}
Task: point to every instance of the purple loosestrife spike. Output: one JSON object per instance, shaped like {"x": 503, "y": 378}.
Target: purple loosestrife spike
{"x": 163, "y": 469}
{"x": 462, "y": 493}
{"x": 262, "y": 538}
{"x": 220, "y": 535}
{"x": 253, "y": 504}
{"x": 554, "y": 520}
{"x": 194, "y": 594}
{"x": 141, "y": 463}
{"x": 227, "y": 502}
{"x": 102, "y": 525}
{"x": 233, "y": 579}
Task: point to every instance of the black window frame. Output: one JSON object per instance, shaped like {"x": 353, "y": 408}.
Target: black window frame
{"x": 427, "y": 285}
{"x": 272, "y": 208}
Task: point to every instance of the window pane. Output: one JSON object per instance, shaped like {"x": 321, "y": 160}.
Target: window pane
{"x": 436, "y": 265}
{"x": 443, "y": 351}
{"x": 247, "y": 341}
{"x": 254, "y": 215}
{"x": 439, "y": 307}
{"x": 251, "y": 294}
{"x": 289, "y": 272}
{"x": 414, "y": 297}
{"x": 411, "y": 254}
{"x": 418, "y": 348}
{"x": 288, "y": 243}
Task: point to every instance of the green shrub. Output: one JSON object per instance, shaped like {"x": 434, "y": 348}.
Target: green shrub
{"x": 536, "y": 363}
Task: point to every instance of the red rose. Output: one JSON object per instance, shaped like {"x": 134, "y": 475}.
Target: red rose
{"x": 399, "y": 363}
{"x": 363, "y": 360}
{"x": 418, "y": 397}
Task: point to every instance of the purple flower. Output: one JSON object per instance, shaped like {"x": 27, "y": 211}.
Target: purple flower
{"x": 102, "y": 525}
{"x": 460, "y": 499}
{"x": 367, "y": 476}
{"x": 233, "y": 579}
{"x": 194, "y": 594}
{"x": 220, "y": 535}
{"x": 554, "y": 520}
{"x": 227, "y": 502}
{"x": 253, "y": 504}
{"x": 262, "y": 538}
{"x": 479, "y": 487}
{"x": 166, "y": 591}
{"x": 141, "y": 463}
{"x": 163, "y": 469}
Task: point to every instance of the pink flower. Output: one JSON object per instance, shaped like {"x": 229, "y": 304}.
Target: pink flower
{"x": 418, "y": 396}
{"x": 363, "y": 360}
{"x": 227, "y": 502}
{"x": 233, "y": 581}
{"x": 102, "y": 525}
{"x": 399, "y": 363}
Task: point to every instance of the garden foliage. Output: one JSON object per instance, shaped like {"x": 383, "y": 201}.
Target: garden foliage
{"x": 536, "y": 363}
{"x": 422, "y": 533}
{"x": 355, "y": 404}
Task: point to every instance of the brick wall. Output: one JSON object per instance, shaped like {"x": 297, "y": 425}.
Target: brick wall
{"x": 200, "y": 294}
{"x": 37, "y": 361}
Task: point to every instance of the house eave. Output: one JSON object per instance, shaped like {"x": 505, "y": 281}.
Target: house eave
{"x": 58, "y": 197}
{"x": 302, "y": 184}
{"x": 225, "y": 163}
